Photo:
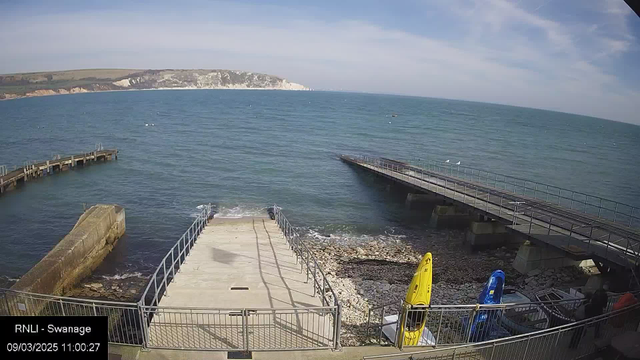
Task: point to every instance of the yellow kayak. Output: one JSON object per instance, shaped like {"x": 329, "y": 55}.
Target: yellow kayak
{"x": 419, "y": 293}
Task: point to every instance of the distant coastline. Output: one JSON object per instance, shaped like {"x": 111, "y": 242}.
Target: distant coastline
{"x": 155, "y": 89}
{"x": 16, "y": 86}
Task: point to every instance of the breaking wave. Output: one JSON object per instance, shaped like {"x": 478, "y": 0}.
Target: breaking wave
{"x": 123, "y": 276}
{"x": 237, "y": 212}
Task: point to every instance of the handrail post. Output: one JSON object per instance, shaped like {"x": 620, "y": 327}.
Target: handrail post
{"x": 245, "y": 332}
{"x": 439, "y": 328}
{"x": 338, "y": 321}
{"x": 307, "y": 263}
{"x": 324, "y": 286}
{"x": 164, "y": 267}
{"x": 524, "y": 355}
{"x": 184, "y": 245}
{"x": 493, "y": 350}
{"x": 599, "y": 208}
{"x": 546, "y": 194}
{"x": 155, "y": 285}
{"x": 400, "y": 327}
{"x": 173, "y": 265}
{"x": 315, "y": 276}
{"x": 487, "y": 204}
{"x": 571, "y": 203}
{"x": 530, "y": 222}
{"x": 472, "y": 317}
{"x": 179, "y": 256}
{"x": 143, "y": 323}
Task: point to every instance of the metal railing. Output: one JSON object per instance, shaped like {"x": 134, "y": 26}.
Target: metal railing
{"x": 461, "y": 324}
{"x": 314, "y": 272}
{"x": 561, "y": 342}
{"x": 171, "y": 263}
{"x": 128, "y": 322}
{"x": 598, "y": 206}
{"x": 533, "y": 217}
{"x": 150, "y": 325}
{"x": 204, "y": 328}
{"x": 254, "y": 329}
{"x": 125, "y": 323}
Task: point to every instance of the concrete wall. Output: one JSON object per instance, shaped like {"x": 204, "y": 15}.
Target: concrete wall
{"x": 488, "y": 234}
{"x": 531, "y": 257}
{"x": 448, "y": 216}
{"x": 77, "y": 254}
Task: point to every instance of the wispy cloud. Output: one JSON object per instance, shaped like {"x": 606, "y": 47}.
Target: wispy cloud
{"x": 513, "y": 53}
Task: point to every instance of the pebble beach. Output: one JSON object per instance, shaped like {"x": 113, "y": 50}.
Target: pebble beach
{"x": 368, "y": 274}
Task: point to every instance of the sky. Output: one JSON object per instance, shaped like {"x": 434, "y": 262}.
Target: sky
{"x": 576, "y": 56}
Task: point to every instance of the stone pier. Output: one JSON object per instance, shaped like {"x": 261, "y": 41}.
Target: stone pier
{"x": 487, "y": 234}
{"x": 449, "y": 216}
{"x": 78, "y": 253}
{"x": 531, "y": 257}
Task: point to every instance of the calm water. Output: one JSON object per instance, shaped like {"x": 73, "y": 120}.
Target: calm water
{"x": 244, "y": 150}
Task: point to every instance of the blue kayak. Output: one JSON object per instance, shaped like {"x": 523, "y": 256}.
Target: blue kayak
{"x": 484, "y": 325}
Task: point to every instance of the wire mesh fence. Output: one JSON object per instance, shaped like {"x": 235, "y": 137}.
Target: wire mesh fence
{"x": 240, "y": 329}
{"x": 571, "y": 341}
{"x": 125, "y": 322}
{"x": 461, "y": 324}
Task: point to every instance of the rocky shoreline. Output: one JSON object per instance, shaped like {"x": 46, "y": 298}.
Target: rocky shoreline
{"x": 124, "y": 289}
{"x": 369, "y": 274}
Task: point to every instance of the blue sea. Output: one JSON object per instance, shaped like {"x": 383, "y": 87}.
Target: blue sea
{"x": 246, "y": 150}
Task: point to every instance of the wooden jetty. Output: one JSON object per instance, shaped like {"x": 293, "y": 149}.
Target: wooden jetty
{"x": 11, "y": 179}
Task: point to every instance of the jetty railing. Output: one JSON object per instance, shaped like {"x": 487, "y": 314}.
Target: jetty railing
{"x": 308, "y": 262}
{"x": 598, "y": 206}
{"x": 461, "y": 324}
{"x": 240, "y": 329}
{"x": 125, "y": 323}
{"x": 527, "y": 215}
{"x": 171, "y": 263}
{"x": 561, "y": 342}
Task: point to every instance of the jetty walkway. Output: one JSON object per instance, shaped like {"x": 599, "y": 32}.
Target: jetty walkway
{"x": 11, "y": 179}
{"x": 580, "y": 225}
{"x": 245, "y": 284}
